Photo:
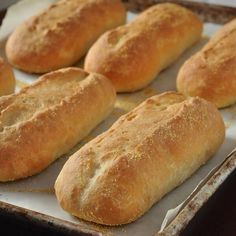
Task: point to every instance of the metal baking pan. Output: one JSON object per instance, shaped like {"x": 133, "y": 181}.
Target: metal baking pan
{"x": 208, "y": 13}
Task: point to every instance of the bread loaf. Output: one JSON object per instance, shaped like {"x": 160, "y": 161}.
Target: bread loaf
{"x": 211, "y": 73}
{"x": 132, "y": 55}
{"x": 60, "y": 35}
{"x": 119, "y": 175}
{"x": 7, "y": 79}
{"x": 46, "y": 119}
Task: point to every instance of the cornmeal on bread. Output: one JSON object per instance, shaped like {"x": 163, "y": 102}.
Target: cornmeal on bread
{"x": 211, "y": 72}
{"x": 119, "y": 175}
{"x": 60, "y": 35}
{"x": 46, "y": 119}
{"x": 7, "y": 78}
{"x": 131, "y": 56}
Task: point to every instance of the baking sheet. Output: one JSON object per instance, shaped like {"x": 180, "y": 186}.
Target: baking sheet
{"x": 200, "y": 195}
{"x": 36, "y": 193}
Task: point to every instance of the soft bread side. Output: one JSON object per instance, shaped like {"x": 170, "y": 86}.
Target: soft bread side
{"x": 46, "y": 119}
{"x": 7, "y": 78}
{"x": 211, "y": 73}
{"x": 132, "y": 55}
{"x": 60, "y": 35}
{"x": 119, "y": 175}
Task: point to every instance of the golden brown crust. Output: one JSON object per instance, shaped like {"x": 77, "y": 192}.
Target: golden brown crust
{"x": 7, "y": 79}
{"x": 61, "y": 34}
{"x": 211, "y": 73}
{"x": 46, "y": 119}
{"x": 132, "y": 55}
{"x": 119, "y": 175}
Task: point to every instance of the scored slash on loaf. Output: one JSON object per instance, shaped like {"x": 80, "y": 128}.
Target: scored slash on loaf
{"x": 211, "y": 72}
{"x": 46, "y": 119}
{"x": 132, "y": 55}
{"x": 119, "y": 175}
{"x": 60, "y": 35}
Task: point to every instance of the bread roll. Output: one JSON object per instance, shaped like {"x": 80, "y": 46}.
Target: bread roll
{"x": 119, "y": 175}
{"x": 132, "y": 55}
{"x": 7, "y": 79}
{"x": 60, "y": 35}
{"x": 211, "y": 73}
{"x": 46, "y": 119}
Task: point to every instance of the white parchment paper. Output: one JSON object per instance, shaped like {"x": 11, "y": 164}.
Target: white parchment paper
{"x": 36, "y": 193}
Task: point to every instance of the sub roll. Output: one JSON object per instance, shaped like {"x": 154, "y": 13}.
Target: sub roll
{"x": 119, "y": 175}
{"x": 131, "y": 56}
{"x": 46, "y": 119}
{"x": 60, "y": 35}
{"x": 211, "y": 72}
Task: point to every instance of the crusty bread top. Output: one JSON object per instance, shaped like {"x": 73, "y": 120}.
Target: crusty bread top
{"x": 41, "y": 96}
{"x": 211, "y": 73}
{"x": 62, "y": 33}
{"x": 38, "y": 96}
{"x": 221, "y": 48}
